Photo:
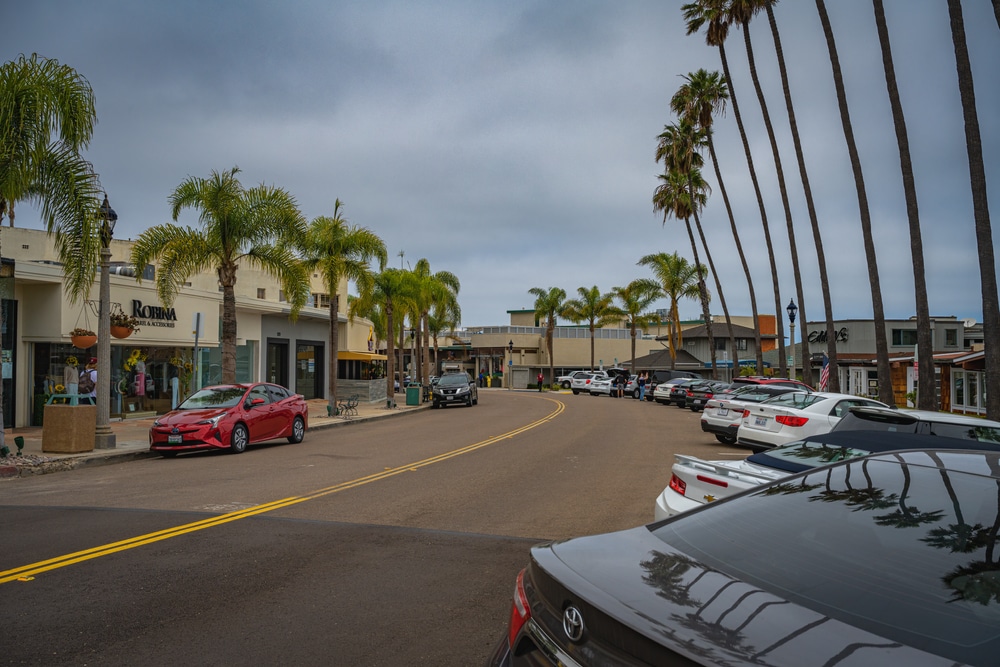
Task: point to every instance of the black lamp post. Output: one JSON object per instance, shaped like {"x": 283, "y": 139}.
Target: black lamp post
{"x": 792, "y": 311}
{"x": 510, "y": 366}
{"x": 104, "y": 438}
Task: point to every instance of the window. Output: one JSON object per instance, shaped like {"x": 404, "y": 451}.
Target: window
{"x": 281, "y": 295}
{"x": 322, "y": 300}
{"x": 743, "y": 344}
{"x": 720, "y": 344}
{"x": 261, "y": 293}
{"x": 904, "y": 337}
{"x": 951, "y": 337}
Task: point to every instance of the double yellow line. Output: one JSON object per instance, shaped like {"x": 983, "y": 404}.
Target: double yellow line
{"x": 27, "y": 572}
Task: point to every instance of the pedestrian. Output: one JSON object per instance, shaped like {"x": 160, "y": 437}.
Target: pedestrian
{"x": 482, "y": 377}
{"x": 621, "y": 386}
{"x": 71, "y": 376}
{"x": 541, "y": 379}
{"x": 642, "y": 385}
{"x": 88, "y": 383}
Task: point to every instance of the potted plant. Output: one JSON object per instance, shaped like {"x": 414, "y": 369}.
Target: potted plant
{"x": 123, "y": 325}
{"x": 82, "y": 338}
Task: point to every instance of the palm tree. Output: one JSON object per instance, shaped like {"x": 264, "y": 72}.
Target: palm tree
{"x": 431, "y": 288}
{"x": 980, "y": 208}
{"x": 701, "y": 96}
{"x": 741, "y": 12}
{"x": 47, "y": 114}
{"x": 256, "y": 226}
{"x": 340, "y": 252}
{"x": 596, "y": 309}
{"x": 678, "y": 280}
{"x": 550, "y": 304}
{"x": 390, "y": 290}
{"x": 831, "y": 336}
{"x": 682, "y": 193}
{"x": 711, "y": 14}
{"x": 881, "y": 345}
{"x": 926, "y": 399}
{"x": 636, "y": 298}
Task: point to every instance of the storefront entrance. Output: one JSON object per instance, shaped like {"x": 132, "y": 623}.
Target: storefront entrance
{"x": 276, "y": 362}
{"x": 309, "y": 367}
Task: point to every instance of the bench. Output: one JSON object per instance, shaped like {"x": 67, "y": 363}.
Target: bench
{"x": 348, "y": 406}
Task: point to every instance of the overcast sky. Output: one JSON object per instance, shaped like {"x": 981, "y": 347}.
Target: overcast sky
{"x": 512, "y": 143}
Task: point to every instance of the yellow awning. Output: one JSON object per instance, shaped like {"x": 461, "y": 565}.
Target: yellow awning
{"x": 360, "y": 356}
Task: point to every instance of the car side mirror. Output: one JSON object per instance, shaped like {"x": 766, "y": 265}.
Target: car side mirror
{"x": 251, "y": 402}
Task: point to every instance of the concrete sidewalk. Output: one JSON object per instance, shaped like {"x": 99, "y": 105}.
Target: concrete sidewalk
{"x": 132, "y": 436}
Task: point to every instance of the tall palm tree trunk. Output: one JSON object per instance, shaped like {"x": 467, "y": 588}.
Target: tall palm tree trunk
{"x": 228, "y": 330}
{"x": 331, "y": 381}
{"x": 703, "y": 293}
{"x": 783, "y": 190}
{"x": 743, "y": 261}
{"x": 722, "y": 296}
{"x": 778, "y": 321}
{"x": 980, "y": 209}
{"x": 926, "y": 395}
{"x": 881, "y": 345}
{"x": 824, "y": 281}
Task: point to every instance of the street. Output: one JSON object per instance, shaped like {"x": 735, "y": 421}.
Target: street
{"x": 394, "y": 542}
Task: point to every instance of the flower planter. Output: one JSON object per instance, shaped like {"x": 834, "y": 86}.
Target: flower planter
{"x": 83, "y": 342}
{"x": 121, "y": 332}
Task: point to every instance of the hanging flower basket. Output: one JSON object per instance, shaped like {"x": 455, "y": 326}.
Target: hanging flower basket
{"x": 121, "y": 332}
{"x": 122, "y": 325}
{"x": 82, "y": 338}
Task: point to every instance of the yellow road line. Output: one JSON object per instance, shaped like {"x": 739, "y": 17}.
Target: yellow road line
{"x": 28, "y": 571}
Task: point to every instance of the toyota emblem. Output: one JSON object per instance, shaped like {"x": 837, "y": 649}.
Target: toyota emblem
{"x": 573, "y": 624}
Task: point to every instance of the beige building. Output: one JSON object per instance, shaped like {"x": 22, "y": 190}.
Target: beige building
{"x": 38, "y": 319}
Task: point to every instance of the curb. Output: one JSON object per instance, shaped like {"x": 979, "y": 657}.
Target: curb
{"x": 95, "y": 460}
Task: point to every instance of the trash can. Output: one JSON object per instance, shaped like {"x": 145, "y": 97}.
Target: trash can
{"x": 413, "y": 394}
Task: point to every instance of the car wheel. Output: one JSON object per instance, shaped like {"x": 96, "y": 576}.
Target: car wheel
{"x": 298, "y": 431}
{"x": 565, "y": 385}
{"x": 435, "y": 405}
{"x": 694, "y": 408}
{"x": 239, "y": 439}
{"x": 475, "y": 401}
{"x": 635, "y": 394}
{"x": 726, "y": 439}
{"x": 576, "y": 391}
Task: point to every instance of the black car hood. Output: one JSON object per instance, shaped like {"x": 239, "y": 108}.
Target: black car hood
{"x": 672, "y": 604}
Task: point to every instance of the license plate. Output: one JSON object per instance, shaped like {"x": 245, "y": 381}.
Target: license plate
{"x": 175, "y": 439}
{"x": 722, "y": 412}
{"x": 448, "y": 398}
{"x": 760, "y": 421}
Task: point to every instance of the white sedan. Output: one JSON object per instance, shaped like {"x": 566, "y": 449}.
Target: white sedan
{"x": 789, "y": 417}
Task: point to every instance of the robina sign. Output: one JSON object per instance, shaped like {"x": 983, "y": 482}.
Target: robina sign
{"x": 154, "y": 316}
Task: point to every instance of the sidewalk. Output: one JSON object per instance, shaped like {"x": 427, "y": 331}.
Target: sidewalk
{"x": 132, "y": 439}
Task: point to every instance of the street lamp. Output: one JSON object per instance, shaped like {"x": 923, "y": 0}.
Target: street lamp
{"x": 792, "y": 311}
{"x": 104, "y": 438}
{"x": 510, "y": 366}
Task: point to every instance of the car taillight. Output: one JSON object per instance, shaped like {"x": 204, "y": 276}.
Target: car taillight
{"x": 520, "y": 612}
{"x": 677, "y": 484}
{"x": 791, "y": 420}
{"x": 746, "y": 413}
{"x": 689, "y": 392}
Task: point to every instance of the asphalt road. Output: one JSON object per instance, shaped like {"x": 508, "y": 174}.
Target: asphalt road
{"x": 394, "y": 542}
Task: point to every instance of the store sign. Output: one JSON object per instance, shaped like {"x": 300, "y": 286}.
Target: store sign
{"x": 820, "y": 336}
{"x": 154, "y": 316}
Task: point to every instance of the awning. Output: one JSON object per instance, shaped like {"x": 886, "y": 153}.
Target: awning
{"x": 360, "y": 356}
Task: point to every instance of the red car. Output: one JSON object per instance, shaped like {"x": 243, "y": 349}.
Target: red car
{"x": 230, "y": 416}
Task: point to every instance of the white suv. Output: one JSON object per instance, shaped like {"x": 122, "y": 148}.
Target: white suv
{"x": 947, "y": 424}
{"x": 566, "y": 381}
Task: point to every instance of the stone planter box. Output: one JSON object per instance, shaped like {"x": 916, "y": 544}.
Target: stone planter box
{"x": 68, "y": 429}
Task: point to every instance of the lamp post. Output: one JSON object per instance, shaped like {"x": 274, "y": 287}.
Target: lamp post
{"x": 792, "y": 311}
{"x": 104, "y": 438}
{"x": 510, "y": 365}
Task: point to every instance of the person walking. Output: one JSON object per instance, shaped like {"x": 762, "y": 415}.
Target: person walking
{"x": 641, "y": 380}
{"x": 541, "y": 379}
{"x": 88, "y": 383}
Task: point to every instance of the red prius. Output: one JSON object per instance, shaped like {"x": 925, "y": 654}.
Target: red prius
{"x": 230, "y": 416}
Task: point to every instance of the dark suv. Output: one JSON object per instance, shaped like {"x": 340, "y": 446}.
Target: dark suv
{"x": 455, "y": 389}
{"x": 947, "y": 424}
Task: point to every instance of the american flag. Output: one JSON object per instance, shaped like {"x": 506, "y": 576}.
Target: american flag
{"x": 824, "y": 375}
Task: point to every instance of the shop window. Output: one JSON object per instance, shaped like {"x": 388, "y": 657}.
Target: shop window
{"x": 261, "y": 293}
{"x": 951, "y": 337}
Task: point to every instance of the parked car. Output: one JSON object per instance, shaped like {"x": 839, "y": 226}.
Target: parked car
{"x": 661, "y": 392}
{"x": 581, "y": 382}
{"x": 723, "y": 414}
{"x": 700, "y": 394}
{"x": 920, "y": 421}
{"x": 680, "y": 391}
{"x": 695, "y": 482}
{"x": 566, "y": 381}
{"x": 761, "y": 379}
{"x": 659, "y": 377}
{"x": 454, "y": 389}
{"x": 600, "y": 386}
{"x": 830, "y": 566}
{"x": 230, "y": 416}
{"x": 794, "y": 416}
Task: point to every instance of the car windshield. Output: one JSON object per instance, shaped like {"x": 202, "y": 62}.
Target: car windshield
{"x": 213, "y": 397}
{"x": 794, "y": 400}
{"x": 854, "y": 541}
{"x": 453, "y": 380}
{"x": 802, "y": 455}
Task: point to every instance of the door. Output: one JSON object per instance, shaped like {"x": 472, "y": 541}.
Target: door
{"x": 8, "y": 358}
{"x": 276, "y": 361}
{"x": 309, "y": 369}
